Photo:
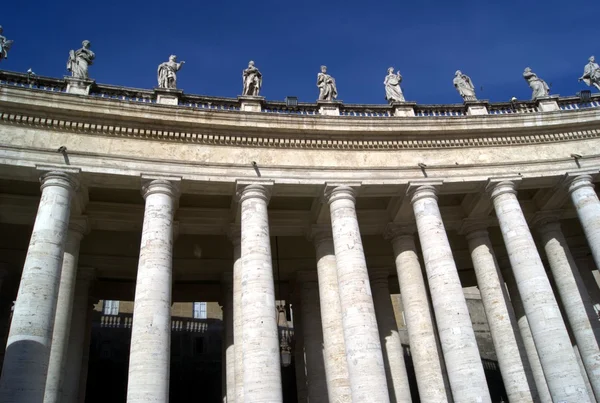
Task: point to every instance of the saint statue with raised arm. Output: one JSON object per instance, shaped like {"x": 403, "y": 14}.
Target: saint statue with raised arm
{"x": 537, "y": 85}
{"x": 5, "y": 45}
{"x": 167, "y": 73}
{"x": 80, "y": 60}
{"x": 326, "y": 84}
{"x": 464, "y": 86}
{"x": 393, "y": 92}
{"x": 591, "y": 73}
{"x": 252, "y": 80}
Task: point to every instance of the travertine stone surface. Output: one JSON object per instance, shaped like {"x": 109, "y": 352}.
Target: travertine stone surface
{"x": 547, "y": 328}
{"x": 299, "y": 364}
{"x": 334, "y": 347}
{"x": 235, "y": 236}
{"x": 525, "y": 332}
{"x": 363, "y": 349}
{"x": 228, "y": 343}
{"x": 514, "y": 366}
{"x": 419, "y": 322}
{"x": 262, "y": 371}
{"x": 64, "y": 307}
{"x": 149, "y": 359}
{"x": 312, "y": 333}
{"x": 75, "y": 369}
{"x": 393, "y": 355}
{"x": 575, "y": 299}
{"x": 30, "y": 337}
{"x": 463, "y": 363}
{"x": 587, "y": 205}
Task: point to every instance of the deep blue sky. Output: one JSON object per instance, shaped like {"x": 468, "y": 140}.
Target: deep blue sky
{"x": 428, "y": 40}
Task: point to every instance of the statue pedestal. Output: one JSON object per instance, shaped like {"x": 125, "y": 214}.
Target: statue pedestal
{"x": 477, "y": 107}
{"x": 78, "y": 86}
{"x": 167, "y": 96}
{"x": 548, "y": 104}
{"x": 329, "y": 108}
{"x": 404, "y": 108}
{"x": 250, "y": 103}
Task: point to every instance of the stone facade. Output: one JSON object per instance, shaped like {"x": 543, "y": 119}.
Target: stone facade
{"x": 387, "y": 238}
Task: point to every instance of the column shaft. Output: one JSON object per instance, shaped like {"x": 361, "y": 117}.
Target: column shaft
{"x": 461, "y": 354}
{"x": 363, "y": 349}
{"x": 336, "y": 368}
{"x": 312, "y": 333}
{"x": 587, "y": 205}
{"x": 237, "y": 317}
{"x": 514, "y": 367}
{"x": 30, "y": 337}
{"x": 575, "y": 300}
{"x": 426, "y": 357}
{"x": 393, "y": 354}
{"x": 77, "y": 337}
{"x": 64, "y": 310}
{"x": 549, "y": 332}
{"x": 262, "y": 372}
{"x": 299, "y": 362}
{"x": 229, "y": 349}
{"x": 149, "y": 359}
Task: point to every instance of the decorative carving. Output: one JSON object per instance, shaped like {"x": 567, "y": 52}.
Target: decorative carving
{"x": 5, "y": 45}
{"x": 591, "y": 73}
{"x": 326, "y": 84}
{"x": 464, "y": 86}
{"x": 80, "y": 60}
{"x": 252, "y": 79}
{"x": 167, "y": 73}
{"x": 537, "y": 85}
{"x": 393, "y": 92}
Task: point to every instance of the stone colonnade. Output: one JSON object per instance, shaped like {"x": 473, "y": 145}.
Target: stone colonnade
{"x": 350, "y": 348}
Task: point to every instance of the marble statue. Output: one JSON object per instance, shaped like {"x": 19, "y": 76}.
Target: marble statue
{"x": 167, "y": 73}
{"x": 5, "y": 45}
{"x": 326, "y": 84}
{"x": 464, "y": 86}
{"x": 537, "y": 85}
{"x": 80, "y": 60}
{"x": 252, "y": 80}
{"x": 591, "y": 73}
{"x": 393, "y": 92}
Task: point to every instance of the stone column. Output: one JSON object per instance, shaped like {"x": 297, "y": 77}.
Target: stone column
{"x": 334, "y": 348}
{"x": 149, "y": 359}
{"x": 8, "y": 292}
{"x": 363, "y": 349}
{"x": 77, "y": 337}
{"x": 461, "y": 354}
{"x": 587, "y": 205}
{"x": 549, "y": 332}
{"x": 575, "y": 299}
{"x": 393, "y": 355}
{"x": 64, "y": 308}
{"x": 234, "y": 235}
{"x": 228, "y": 344}
{"x": 262, "y": 369}
{"x": 299, "y": 363}
{"x": 312, "y": 333}
{"x": 514, "y": 367}
{"x": 525, "y": 331}
{"x": 30, "y": 336}
{"x": 85, "y": 355}
{"x": 426, "y": 356}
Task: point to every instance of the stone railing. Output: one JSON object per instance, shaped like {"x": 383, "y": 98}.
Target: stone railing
{"x": 409, "y": 109}
{"x": 125, "y": 320}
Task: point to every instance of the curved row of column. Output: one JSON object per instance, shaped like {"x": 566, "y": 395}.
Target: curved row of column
{"x": 352, "y": 350}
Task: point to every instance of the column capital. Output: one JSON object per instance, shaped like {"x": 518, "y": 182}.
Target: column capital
{"x": 474, "y": 228}
{"x": 234, "y": 233}
{"x": 63, "y": 178}
{"x": 164, "y": 185}
{"x": 546, "y": 221}
{"x": 418, "y": 191}
{"x": 398, "y": 230}
{"x": 304, "y": 276}
{"x": 380, "y": 275}
{"x": 341, "y": 191}
{"x": 86, "y": 274}
{"x": 320, "y": 233}
{"x": 79, "y": 225}
{"x": 498, "y": 187}
{"x": 579, "y": 180}
{"x": 254, "y": 189}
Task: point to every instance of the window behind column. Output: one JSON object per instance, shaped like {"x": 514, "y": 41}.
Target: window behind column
{"x": 199, "y": 310}
{"x": 111, "y": 307}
